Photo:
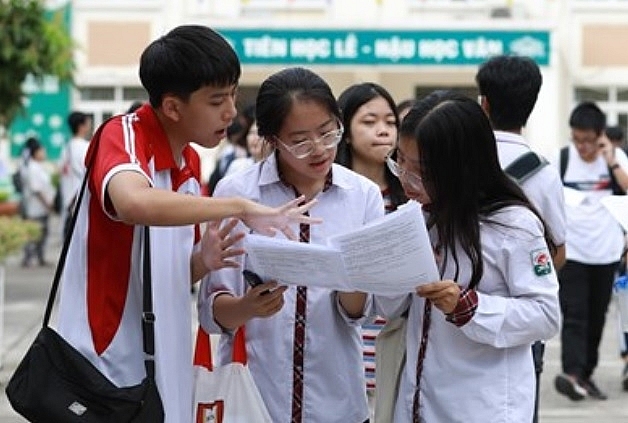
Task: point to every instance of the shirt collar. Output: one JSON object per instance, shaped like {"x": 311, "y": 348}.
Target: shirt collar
{"x": 510, "y": 137}
{"x": 269, "y": 174}
{"x": 158, "y": 140}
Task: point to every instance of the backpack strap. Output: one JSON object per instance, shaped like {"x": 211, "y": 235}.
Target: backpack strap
{"x": 525, "y": 166}
{"x": 564, "y": 159}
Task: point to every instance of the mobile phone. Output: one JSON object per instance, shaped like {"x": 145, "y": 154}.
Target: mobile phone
{"x": 252, "y": 278}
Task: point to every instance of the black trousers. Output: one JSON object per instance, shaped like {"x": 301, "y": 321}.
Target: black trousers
{"x": 585, "y": 292}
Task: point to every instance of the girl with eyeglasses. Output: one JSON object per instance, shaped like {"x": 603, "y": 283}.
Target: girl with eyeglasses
{"x": 304, "y": 345}
{"x": 468, "y": 335}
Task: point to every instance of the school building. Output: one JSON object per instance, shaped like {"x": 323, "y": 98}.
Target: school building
{"x": 409, "y": 46}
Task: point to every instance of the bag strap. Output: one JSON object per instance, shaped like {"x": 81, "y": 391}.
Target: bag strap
{"x": 525, "y": 166}
{"x": 148, "y": 317}
{"x": 564, "y": 159}
{"x": 203, "y": 351}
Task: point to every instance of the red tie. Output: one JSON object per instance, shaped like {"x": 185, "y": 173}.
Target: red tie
{"x": 299, "y": 340}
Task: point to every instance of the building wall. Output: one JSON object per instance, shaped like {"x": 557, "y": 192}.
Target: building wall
{"x": 586, "y": 46}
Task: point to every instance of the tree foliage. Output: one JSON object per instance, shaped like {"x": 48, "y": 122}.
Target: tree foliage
{"x": 30, "y": 43}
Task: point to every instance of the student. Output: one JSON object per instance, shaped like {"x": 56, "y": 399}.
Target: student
{"x": 73, "y": 163}
{"x": 144, "y": 172}
{"x": 298, "y": 115}
{"x": 38, "y": 194}
{"x": 595, "y": 242}
{"x": 469, "y": 334}
{"x": 509, "y": 87}
{"x": 257, "y": 150}
{"x": 371, "y": 124}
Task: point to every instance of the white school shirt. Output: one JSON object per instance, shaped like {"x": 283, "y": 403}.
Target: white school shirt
{"x": 105, "y": 255}
{"x": 483, "y": 371}
{"x": 334, "y": 385}
{"x": 593, "y": 234}
{"x": 544, "y": 188}
{"x": 37, "y": 180}
{"x": 72, "y": 169}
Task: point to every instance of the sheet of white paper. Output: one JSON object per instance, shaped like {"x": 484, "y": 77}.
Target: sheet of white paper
{"x": 617, "y": 205}
{"x": 573, "y": 197}
{"x": 296, "y": 263}
{"x": 391, "y": 255}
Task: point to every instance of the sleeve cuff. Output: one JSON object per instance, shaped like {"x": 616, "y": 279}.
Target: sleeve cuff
{"x": 465, "y": 309}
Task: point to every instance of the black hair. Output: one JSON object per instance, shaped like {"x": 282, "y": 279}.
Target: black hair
{"x": 615, "y": 133}
{"x": 134, "y": 106}
{"x": 349, "y": 101}
{"x": 588, "y": 116}
{"x": 279, "y": 91}
{"x": 511, "y": 86}
{"x": 462, "y": 173}
{"x": 185, "y": 59}
{"x": 31, "y": 146}
{"x": 75, "y": 120}
{"x": 404, "y": 104}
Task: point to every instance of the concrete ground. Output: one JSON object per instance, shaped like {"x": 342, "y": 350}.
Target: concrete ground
{"x": 26, "y": 291}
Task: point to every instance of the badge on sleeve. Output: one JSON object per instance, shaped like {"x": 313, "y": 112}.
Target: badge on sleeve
{"x": 541, "y": 262}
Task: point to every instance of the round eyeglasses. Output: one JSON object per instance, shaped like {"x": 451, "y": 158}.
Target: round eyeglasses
{"x": 303, "y": 149}
{"x": 411, "y": 178}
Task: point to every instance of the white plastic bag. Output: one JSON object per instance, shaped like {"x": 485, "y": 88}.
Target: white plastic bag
{"x": 226, "y": 394}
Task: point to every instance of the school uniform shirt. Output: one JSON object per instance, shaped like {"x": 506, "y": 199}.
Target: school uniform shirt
{"x": 483, "y": 371}
{"x": 72, "y": 169}
{"x": 37, "y": 180}
{"x": 334, "y": 386}
{"x": 100, "y": 304}
{"x": 544, "y": 188}
{"x": 593, "y": 235}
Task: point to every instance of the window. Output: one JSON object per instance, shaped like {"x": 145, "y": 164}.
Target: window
{"x": 97, "y": 93}
{"x": 591, "y": 94}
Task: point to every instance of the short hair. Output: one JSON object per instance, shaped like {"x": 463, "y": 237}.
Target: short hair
{"x": 186, "y": 59}
{"x": 282, "y": 89}
{"x": 615, "y": 133}
{"x": 76, "y": 120}
{"x": 511, "y": 85}
{"x": 588, "y": 116}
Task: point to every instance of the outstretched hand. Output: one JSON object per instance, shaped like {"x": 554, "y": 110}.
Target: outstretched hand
{"x": 217, "y": 245}
{"x": 267, "y": 221}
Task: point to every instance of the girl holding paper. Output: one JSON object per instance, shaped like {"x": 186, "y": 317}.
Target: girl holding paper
{"x": 303, "y": 344}
{"x": 469, "y": 334}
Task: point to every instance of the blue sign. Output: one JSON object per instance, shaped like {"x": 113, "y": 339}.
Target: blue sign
{"x": 385, "y": 47}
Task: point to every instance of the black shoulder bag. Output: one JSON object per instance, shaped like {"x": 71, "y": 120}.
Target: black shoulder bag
{"x": 55, "y": 383}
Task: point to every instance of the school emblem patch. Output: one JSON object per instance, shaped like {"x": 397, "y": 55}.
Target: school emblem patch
{"x": 541, "y": 262}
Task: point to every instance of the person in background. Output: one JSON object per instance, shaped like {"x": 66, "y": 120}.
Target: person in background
{"x": 595, "y": 242}
{"x": 616, "y": 135}
{"x": 257, "y": 150}
{"x": 144, "y": 172}
{"x": 403, "y": 107}
{"x": 303, "y": 344}
{"x": 38, "y": 195}
{"x": 509, "y": 87}
{"x": 72, "y": 164}
{"x": 469, "y": 334}
{"x": 234, "y": 146}
{"x": 371, "y": 125}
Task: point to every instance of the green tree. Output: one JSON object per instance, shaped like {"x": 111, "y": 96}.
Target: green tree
{"x": 30, "y": 43}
